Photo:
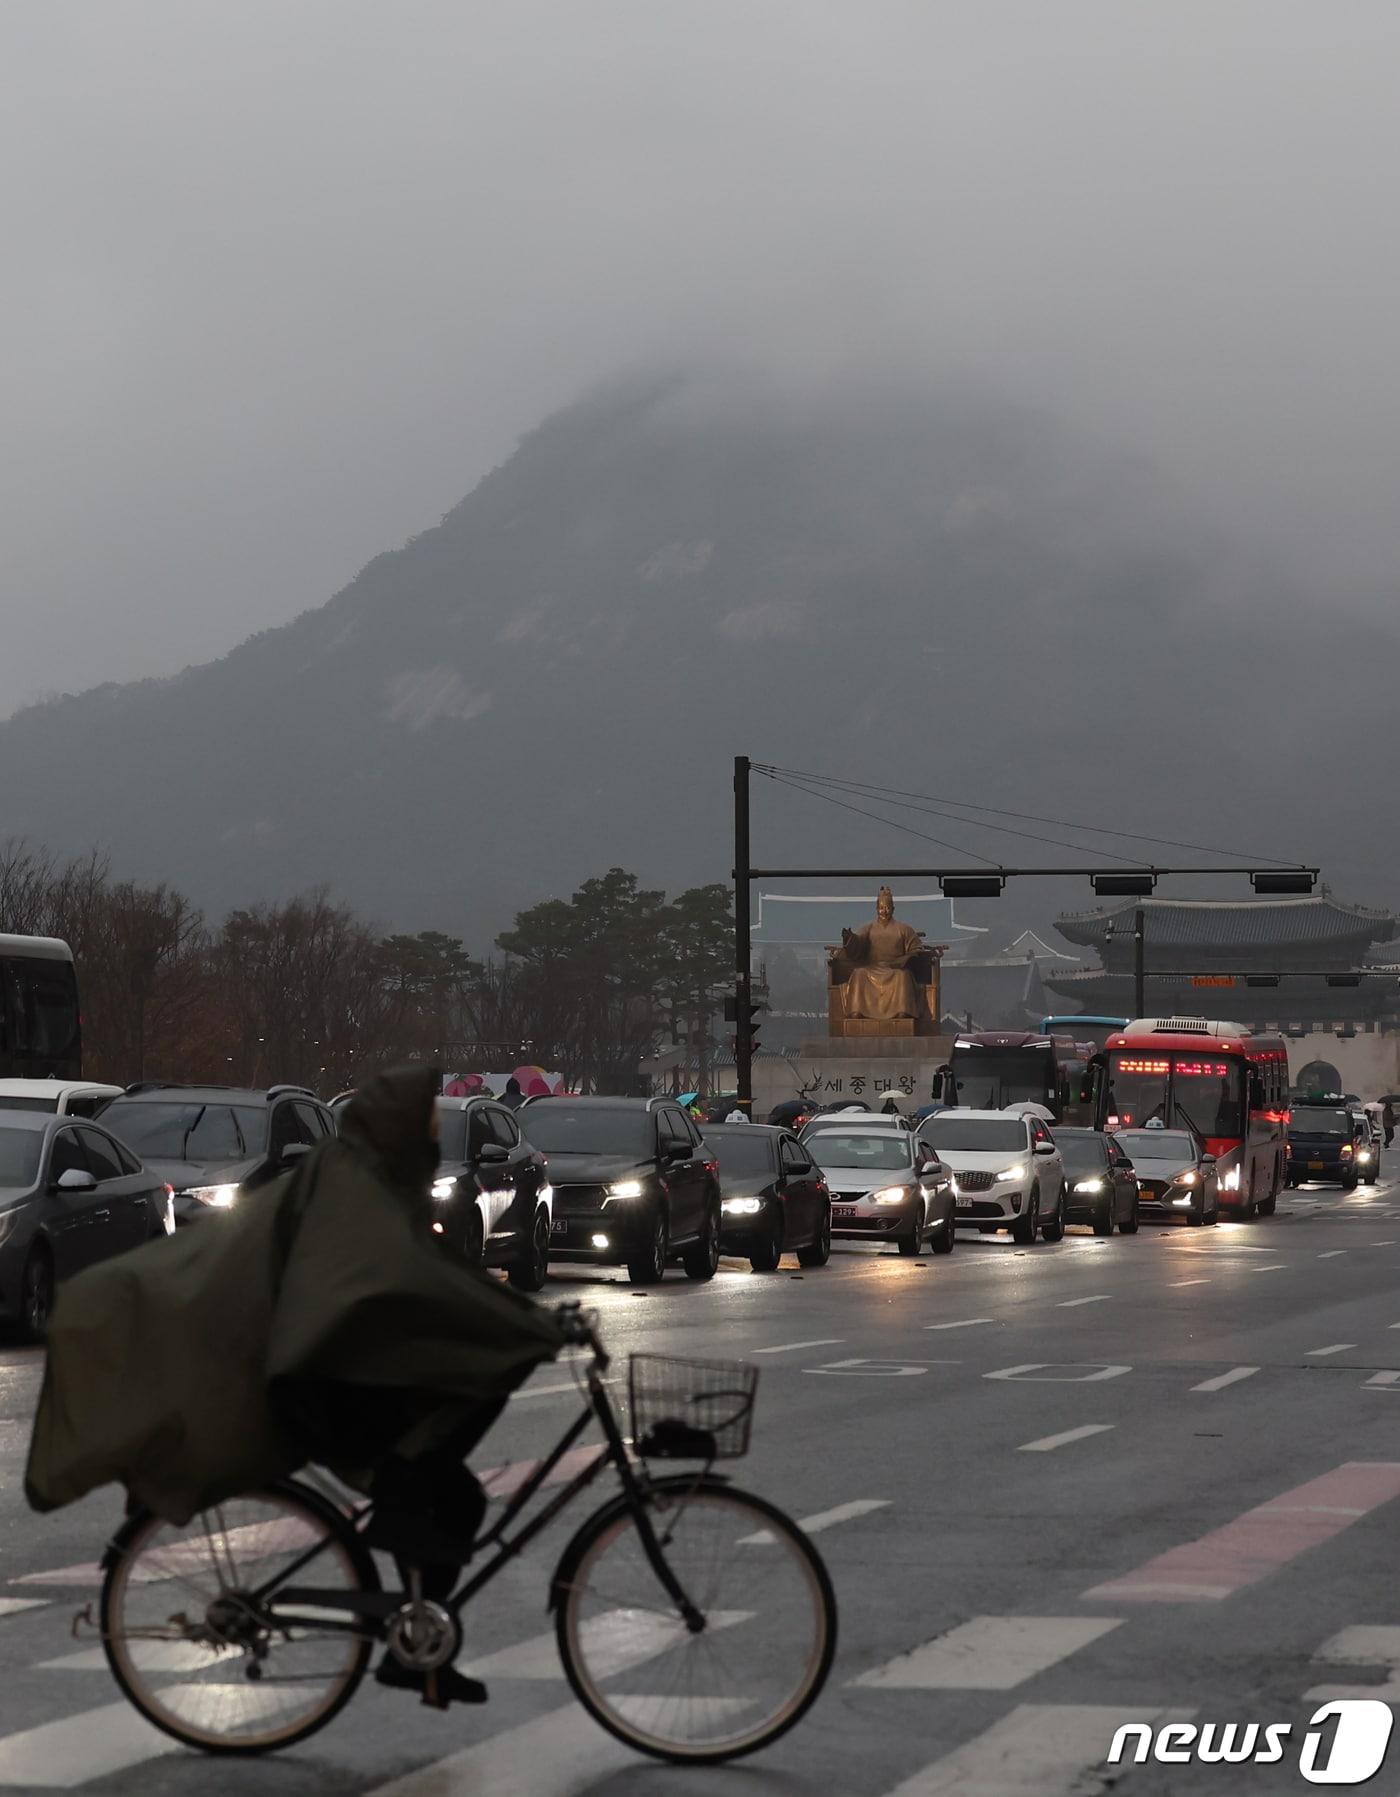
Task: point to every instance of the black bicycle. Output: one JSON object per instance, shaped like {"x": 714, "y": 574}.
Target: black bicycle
{"x": 694, "y": 1621}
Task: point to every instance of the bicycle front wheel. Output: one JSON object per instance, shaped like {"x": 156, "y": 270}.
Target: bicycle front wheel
{"x": 738, "y": 1683}
{"x": 201, "y": 1644}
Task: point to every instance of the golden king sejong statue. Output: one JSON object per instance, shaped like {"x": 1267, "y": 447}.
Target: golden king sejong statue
{"x": 880, "y": 985}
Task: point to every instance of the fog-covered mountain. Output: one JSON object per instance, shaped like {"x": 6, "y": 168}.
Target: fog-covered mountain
{"x": 925, "y": 590}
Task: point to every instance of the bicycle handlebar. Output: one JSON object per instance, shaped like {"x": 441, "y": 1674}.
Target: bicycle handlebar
{"x": 580, "y": 1326}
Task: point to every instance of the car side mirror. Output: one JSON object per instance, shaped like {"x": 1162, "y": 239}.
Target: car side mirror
{"x": 1207, "y": 1160}
{"x": 74, "y": 1180}
{"x": 1044, "y": 1148}
{"x": 491, "y": 1154}
{"x": 679, "y": 1151}
{"x": 292, "y": 1153}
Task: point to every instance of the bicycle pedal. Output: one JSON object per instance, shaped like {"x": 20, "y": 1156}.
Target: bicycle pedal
{"x": 83, "y": 1619}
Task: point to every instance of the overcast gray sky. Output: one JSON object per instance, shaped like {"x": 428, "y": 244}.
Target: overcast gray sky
{"x": 283, "y": 278}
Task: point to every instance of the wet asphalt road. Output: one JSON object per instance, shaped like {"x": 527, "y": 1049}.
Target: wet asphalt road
{"x": 1026, "y": 1470}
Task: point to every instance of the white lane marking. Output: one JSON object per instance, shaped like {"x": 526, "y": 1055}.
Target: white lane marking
{"x": 575, "y": 1386}
{"x": 11, "y": 1606}
{"x": 1384, "y": 1381}
{"x": 1322, "y": 1353}
{"x": 1074, "y": 1303}
{"x": 824, "y": 1519}
{"x": 150, "y": 1656}
{"x": 1178, "y": 1283}
{"x": 1048, "y": 1443}
{"x": 966, "y": 1323}
{"x": 1277, "y": 1267}
{"x": 1221, "y": 1380}
{"x": 1101, "y": 1371}
{"x": 861, "y": 1368}
{"x": 616, "y": 1641}
{"x": 1388, "y": 1243}
{"x": 93, "y": 1744}
{"x": 1038, "y": 1748}
{"x": 989, "y": 1653}
{"x": 1332, "y": 1254}
{"x": 825, "y": 1341}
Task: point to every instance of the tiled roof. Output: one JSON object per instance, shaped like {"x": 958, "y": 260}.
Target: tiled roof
{"x": 1231, "y": 923}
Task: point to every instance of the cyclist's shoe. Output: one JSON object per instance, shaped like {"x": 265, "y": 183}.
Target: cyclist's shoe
{"x": 438, "y": 1689}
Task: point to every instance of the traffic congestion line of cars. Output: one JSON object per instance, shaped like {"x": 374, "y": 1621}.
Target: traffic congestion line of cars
{"x": 88, "y": 1171}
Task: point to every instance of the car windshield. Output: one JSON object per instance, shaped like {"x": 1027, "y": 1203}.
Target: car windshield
{"x": 559, "y": 1128}
{"x": 1308, "y": 1122}
{"x": 187, "y": 1130}
{"x": 1081, "y": 1154}
{"x": 992, "y": 1078}
{"x": 975, "y": 1135}
{"x": 741, "y": 1151}
{"x": 831, "y": 1148}
{"x": 1157, "y": 1144}
{"x": 19, "y": 1156}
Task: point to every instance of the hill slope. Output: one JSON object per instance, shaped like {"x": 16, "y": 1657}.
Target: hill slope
{"x": 926, "y": 591}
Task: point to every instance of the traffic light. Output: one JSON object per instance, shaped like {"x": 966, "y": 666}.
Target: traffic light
{"x": 744, "y": 1016}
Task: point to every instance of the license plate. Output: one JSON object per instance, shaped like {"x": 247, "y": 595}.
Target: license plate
{"x": 559, "y": 1227}
{"x": 964, "y": 1204}
{"x": 843, "y": 1210}
{"x": 1314, "y": 1166}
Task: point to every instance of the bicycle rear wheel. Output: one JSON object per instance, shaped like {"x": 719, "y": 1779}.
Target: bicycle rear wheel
{"x": 202, "y": 1656}
{"x": 748, "y": 1675}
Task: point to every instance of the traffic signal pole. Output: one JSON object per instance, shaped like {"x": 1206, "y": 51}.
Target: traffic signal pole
{"x": 743, "y": 949}
{"x": 1139, "y": 962}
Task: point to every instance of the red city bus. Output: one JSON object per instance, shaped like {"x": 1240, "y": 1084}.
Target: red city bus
{"x": 1221, "y": 1080}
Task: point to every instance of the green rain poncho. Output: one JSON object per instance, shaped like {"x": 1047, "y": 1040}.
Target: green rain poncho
{"x": 165, "y": 1364}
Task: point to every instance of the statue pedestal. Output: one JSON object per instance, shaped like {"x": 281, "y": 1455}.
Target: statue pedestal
{"x": 864, "y": 1068}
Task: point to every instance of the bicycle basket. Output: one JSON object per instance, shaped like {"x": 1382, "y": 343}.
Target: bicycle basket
{"x": 691, "y": 1409}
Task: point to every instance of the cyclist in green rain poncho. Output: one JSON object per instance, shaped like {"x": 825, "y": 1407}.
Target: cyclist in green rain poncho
{"x": 318, "y": 1320}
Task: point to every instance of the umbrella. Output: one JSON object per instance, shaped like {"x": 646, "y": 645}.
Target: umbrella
{"x": 1389, "y": 1098}
{"x": 790, "y": 1111}
{"x": 687, "y": 1099}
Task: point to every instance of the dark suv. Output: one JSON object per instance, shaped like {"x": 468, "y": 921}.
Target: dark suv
{"x": 491, "y": 1198}
{"x": 634, "y": 1184}
{"x": 212, "y": 1142}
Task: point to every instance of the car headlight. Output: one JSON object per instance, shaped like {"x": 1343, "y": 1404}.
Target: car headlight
{"x": 1016, "y": 1172}
{"x": 1089, "y": 1185}
{"x": 1186, "y": 1179}
{"x": 221, "y": 1197}
{"x": 891, "y": 1194}
{"x": 742, "y": 1207}
{"x": 1364, "y": 1154}
{"x": 625, "y": 1188}
{"x": 444, "y": 1188}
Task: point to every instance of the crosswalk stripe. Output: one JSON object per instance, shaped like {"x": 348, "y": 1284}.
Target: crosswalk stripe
{"x": 1322, "y": 1353}
{"x": 1038, "y": 1749}
{"x": 1260, "y": 1540}
{"x": 93, "y": 1744}
{"x": 989, "y": 1653}
{"x": 564, "y": 1749}
{"x": 11, "y": 1606}
{"x": 616, "y": 1641}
